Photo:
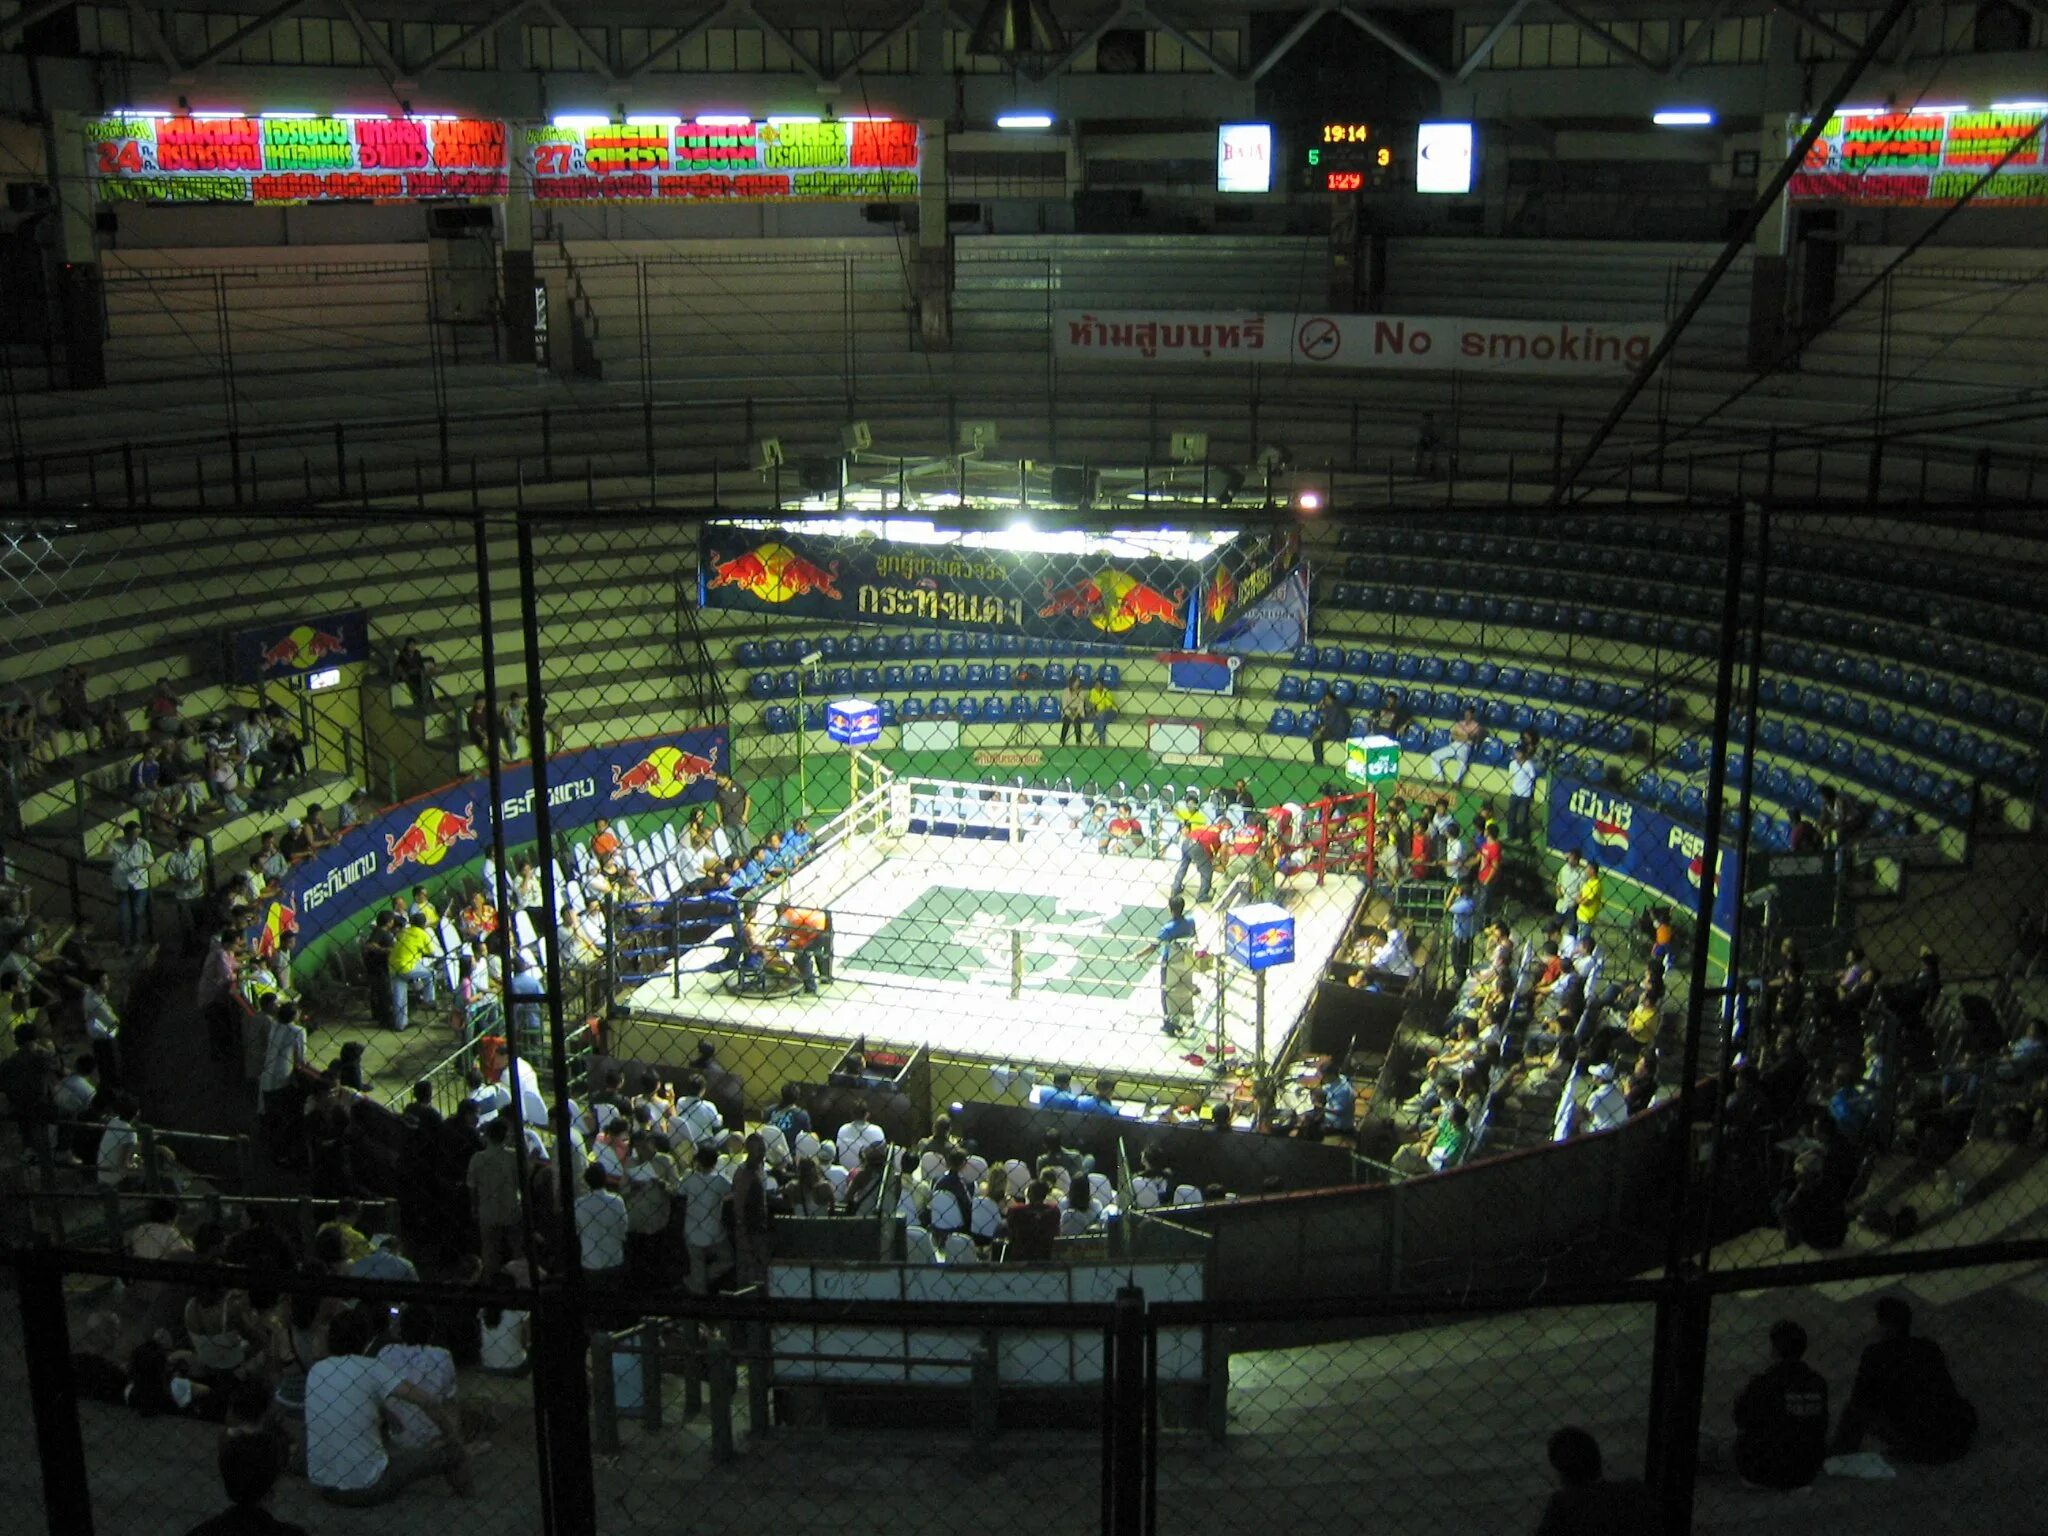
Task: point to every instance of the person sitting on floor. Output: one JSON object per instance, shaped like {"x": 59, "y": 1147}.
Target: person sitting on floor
{"x": 1781, "y": 1416}
{"x": 1905, "y": 1396}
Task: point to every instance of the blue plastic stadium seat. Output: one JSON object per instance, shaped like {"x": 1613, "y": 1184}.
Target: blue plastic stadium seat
{"x": 1546, "y": 723}
{"x": 1281, "y": 723}
{"x": 1607, "y": 696}
{"x": 1692, "y": 803}
{"x": 895, "y": 677}
{"x": 1358, "y": 661}
{"x": 1342, "y": 691}
{"x": 968, "y": 710}
{"x": 1493, "y": 752}
{"x": 1793, "y": 739}
{"x": 761, "y": 685}
{"x": 775, "y": 652}
{"x": 949, "y": 674}
{"x": 1331, "y": 658}
{"x": 1408, "y": 667}
{"x": 1112, "y": 675}
{"x": 1344, "y": 594}
{"x": 748, "y": 653}
{"x": 976, "y": 674}
{"x": 1833, "y": 706}
{"x": 1048, "y": 708}
{"x": 930, "y": 643}
{"x": 1433, "y": 669}
{"x": 1459, "y": 672}
{"x": 1690, "y": 756}
{"x": 1305, "y": 656}
{"x": 957, "y": 644}
{"x": 1055, "y": 674}
{"x": 1001, "y": 676}
{"x": 984, "y": 645}
{"x": 785, "y": 685}
{"x": 941, "y": 708}
{"x": 1486, "y": 675}
{"x": 778, "y": 720}
{"x": 1616, "y": 736}
{"x": 1010, "y": 645}
{"x": 1512, "y": 680}
{"x": 1571, "y": 727}
{"x": 1770, "y": 733}
{"x": 913, "y": 709}
{"x": 1857, "y": 715}
{"x": 814, "y": 717}
{"x": 889, "y": 715}
{"x": 1924, "y": 786}
{"x": 921, "y": 675}
{"x": 1290, "y": 688}
{"x": 1947, "y": 742}
{"x": 903, "y": 647}
{"x": 1414, "y": 736}
{"x": 867, "y": 680}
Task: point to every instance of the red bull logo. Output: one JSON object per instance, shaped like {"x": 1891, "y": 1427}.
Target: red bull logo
{"x": 304, "y": 647}
{"x": 427, "y": 841}
{"x": 775, "y": 573}
{"x": 1113, "y": 601}
{"x": 1222, "y": 593}
{"x": 663, "y": 773}
{"x": 280, "y": 923}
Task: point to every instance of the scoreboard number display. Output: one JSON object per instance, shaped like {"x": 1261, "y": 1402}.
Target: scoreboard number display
{"x": 1347, "y": 157}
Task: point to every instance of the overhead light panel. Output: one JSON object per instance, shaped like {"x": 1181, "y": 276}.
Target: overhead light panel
{"x": 1024, "y": 120}
{"x": 1683, "y": 117}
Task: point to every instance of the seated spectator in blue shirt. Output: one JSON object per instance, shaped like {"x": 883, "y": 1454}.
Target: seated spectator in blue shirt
{"x": 1062, "y": 1094}
{"x": 1851, "y": 1107}
{"x": 1100, "y": 1101}
{"x": 1340, "y": 1102}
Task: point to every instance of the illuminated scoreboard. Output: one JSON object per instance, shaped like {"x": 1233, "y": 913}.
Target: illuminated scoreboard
{"x": 1347, "y": 157}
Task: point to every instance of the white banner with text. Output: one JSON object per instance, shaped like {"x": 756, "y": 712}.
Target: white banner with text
{"x": 1413, "y": 342}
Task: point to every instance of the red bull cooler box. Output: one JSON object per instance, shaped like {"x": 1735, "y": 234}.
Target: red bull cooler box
{"x": 1259, "y": 936}
{"x": 853, "y": 722}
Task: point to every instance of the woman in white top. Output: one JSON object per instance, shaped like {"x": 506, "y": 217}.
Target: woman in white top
{"x": 1077, "y": 1212}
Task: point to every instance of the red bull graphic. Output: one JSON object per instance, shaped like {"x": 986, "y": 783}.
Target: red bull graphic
{"x": 280, "y": 924}
{"x": 427, "y": 841}
{"x": 663, "y": 773}
{"x": 1222, "y": 593}
{"x": 775, "y": 573}
{"x": 1080, "y": 600}
{"x": 1260, "y": 936}
{"x": 1113, "y": 601}
{"x": 259, "y": 655}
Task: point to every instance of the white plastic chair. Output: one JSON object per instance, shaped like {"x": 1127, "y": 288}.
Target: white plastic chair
{"x": 622, "y": 830}
{"x": 838, "y": 1176}
{"x": 1187, "y": 1194}
{"x": 1019, "y": 1175}
{"x": 579, "y": 857}
{"x": 917, "y": 1246}
{"x": 960, "y": 1249}
{"x": 1101, "y": 1191}
{"x": 806, "y": 1144}
{"x": 975, "y": 1171}
{"x": 930, "y": 1166}
{"x": 777, "y": 1145}
{"x": 1059, "y": 1179}
{"x": 722, "y": 842}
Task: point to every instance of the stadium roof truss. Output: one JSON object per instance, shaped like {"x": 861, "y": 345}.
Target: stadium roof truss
{"x": 1083, "y": 28}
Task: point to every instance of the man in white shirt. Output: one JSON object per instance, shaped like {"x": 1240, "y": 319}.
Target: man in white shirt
{"x": 703, "y": 1193}
{"x": 1606, "y": 1105}
{"x": 1521, "y": 795}
{"x": 75, "y": 1092}
{"x": 347, "y": 1396}
{"x": 185, "y": 869}
{"x": 130, "y": 863}
{"x": 600, "y": 1228}
{"x": 856, "y": 1136}
{"x": 421, "y": 1362}
{"x": 284, "y": 1052}
{"x": 697, "y": 1119}
{"x": 102, "y": 1025}
{"x": 1571, "y": 878}
{"x": 120, "y": 1154}
{"x": 1390, "y": 957}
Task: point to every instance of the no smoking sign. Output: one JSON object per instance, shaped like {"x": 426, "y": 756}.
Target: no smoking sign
{"x": 1318, "y": 339}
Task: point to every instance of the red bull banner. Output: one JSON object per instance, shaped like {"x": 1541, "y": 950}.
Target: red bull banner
{"x": 1143, "y": 603}
{"x": 429, "y": 838}
{"x": 1634, "y": 842}
{"x": 1239, "y": 576}
{"x": 722, "y": 159}
{"x": 292, "y": 647}
{"x": 1913, "y": 159}
{"x": 296, "y": 157}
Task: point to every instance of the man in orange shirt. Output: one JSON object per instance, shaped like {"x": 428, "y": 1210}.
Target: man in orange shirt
{"x": 805, "y": 935}
{"x": 604, "y": 841}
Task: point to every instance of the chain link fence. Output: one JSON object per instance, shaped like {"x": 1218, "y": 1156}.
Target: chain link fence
{"x": 811, "y": 966}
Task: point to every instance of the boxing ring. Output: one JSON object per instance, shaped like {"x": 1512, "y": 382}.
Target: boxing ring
{"x": 984, "y": 922}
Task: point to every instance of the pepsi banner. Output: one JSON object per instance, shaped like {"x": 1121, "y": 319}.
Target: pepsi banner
{"x": 1633, "y": 842}
{"x": 286, "y": 649}
{"x": 451, "y": 826}
{"x": 863, "y": 580}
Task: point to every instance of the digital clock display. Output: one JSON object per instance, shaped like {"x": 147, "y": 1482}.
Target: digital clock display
{"x": 1347, "y": 157}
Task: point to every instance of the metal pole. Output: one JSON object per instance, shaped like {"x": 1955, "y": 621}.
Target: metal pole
{"x": 1125, "y": 1437}
{"x": 60, "y": 1448}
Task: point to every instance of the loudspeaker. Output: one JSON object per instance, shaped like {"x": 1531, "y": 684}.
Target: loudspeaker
{"x": 1070, "y": 483}
{"x": 820, "y": 474}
